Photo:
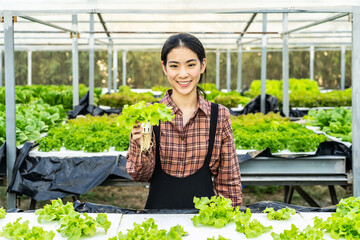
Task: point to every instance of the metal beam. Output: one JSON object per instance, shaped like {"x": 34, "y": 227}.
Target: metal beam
{"x": 285, "y": 67}
{"x": 218, "y": 69}
{"x": 340, "y": 15}
{"x": 104, "y": 25}
{"x": 48, "y": 24}
{"x": 124, "y": 67}
{"x": 75, "y": 62}
{"x": 343, "y": 71}
{"x": 109, "y": 67}
{"x": 248, "y": 24}
{"x": 355, "y": 101}
{"x": 228, "y": 70}
{"x": 115, "y": 75}
{"x": 263, "y": 66}
{"x": 29, "y": 55}
{"x": 312, "y": 57}
{"x": 10, "y": 104}
{"x": 91, "y": 61}
{"x": 239, "y": 73}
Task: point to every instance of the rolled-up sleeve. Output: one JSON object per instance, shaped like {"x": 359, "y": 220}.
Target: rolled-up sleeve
{"x": 140, "y": 166}
{"x": 227, "y": 182}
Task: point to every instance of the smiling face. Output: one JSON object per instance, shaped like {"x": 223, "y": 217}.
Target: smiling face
{"x": 183, "y": 69}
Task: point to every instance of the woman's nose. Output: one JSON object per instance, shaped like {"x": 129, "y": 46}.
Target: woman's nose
{"x": 183, "y": 72}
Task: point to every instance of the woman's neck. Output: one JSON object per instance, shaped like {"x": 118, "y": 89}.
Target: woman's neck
{"x": 185, "y": 102}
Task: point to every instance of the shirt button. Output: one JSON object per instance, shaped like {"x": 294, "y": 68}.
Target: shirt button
{"x": 182, "y": 138}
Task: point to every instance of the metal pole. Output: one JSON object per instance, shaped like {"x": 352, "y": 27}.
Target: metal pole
{"x": 124, "y": 68}
{"x": 239, "y": 75}
{"x": 109, "y": 66}
{"x": 285, "y": 66}
{"x": 1, "y": 68}
{"x": 10, "y": 103}
{"x": 75, "y": 62}
{"x": 228, "y": 70}
{"x": 355, "y": 100}
{"x": 29, "y": 67}
{"x": 312, "y": 56}
{"x": 115, "y": 68}
{"x": 263, "y": 67}
{"x": 218, "y": 69}
{"x": 91, "y": 60}
{"x": 343, "y": 51}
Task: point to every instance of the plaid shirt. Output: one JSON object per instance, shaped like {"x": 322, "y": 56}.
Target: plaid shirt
{"x": 183, "y": 150}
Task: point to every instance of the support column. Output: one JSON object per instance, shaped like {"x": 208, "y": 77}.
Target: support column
{"x": 342, "y": 82}
{"x": 124, "y": 68}
{"x": 285, "y": 66}
{"x": 10, "y": 103}
{"x": 228, "y": 70}
{"x": 109, "y": 66}
{"x": 355, "y": 100}
{"x": 75, "y": 62}
{"x": 115, "y": 75}
{"x": 218, "y": 69}
{"x": 91, "y": 60}
{"x": 239, "y": 75}
{"x": 29, "y": 68}
{"x": 263, "y": 66}
{"x": 312, "y": 57}
{"x": 1, "y": 68}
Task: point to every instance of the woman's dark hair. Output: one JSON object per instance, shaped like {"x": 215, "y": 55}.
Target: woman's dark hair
{"x": 189, "y": 41}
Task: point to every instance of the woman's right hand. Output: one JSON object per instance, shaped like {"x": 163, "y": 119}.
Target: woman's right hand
{"x": 136, "y": 133}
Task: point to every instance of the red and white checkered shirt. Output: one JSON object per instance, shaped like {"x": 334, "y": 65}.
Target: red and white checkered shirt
{"x": 183, "y": 150}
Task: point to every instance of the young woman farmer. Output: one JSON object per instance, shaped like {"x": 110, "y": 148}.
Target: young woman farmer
{"x": 195, "y": 152}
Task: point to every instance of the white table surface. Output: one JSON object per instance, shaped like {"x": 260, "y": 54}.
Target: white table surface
{"x": 122, "y": 222}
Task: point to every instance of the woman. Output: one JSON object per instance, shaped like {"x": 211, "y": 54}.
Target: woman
{"x": 195, "y": 152}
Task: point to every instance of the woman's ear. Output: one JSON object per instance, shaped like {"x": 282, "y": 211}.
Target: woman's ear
{"x": 203, "y": 65}
{"x": 164, "y": 68}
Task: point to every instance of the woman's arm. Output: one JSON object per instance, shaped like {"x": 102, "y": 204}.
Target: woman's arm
{"x": 228, "y": 180}
{"x": 140, "y": 166}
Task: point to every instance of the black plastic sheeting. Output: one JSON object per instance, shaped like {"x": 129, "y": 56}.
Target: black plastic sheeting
{"x": 85, "y": 108}
{"x": 254, "y": 208}
{"x": 45, "y": 178}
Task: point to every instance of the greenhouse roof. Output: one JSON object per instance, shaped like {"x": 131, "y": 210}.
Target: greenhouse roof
{"x": 141, "y": 24}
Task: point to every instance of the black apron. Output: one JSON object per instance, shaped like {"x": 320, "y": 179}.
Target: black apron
{"x": 169, "y": 192}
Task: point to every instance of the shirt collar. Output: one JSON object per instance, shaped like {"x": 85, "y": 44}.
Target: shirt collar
{"x": 203, "y": 104}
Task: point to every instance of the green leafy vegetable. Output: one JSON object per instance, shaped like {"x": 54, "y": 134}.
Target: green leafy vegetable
{"x": 216, "y": 211}
{"x": 17, "y": 230}
{"x": 54, "y": 211}
{"x": 345, "y": 222}
{"x": 309, "y": 233}
{"x": 251, "y": 229}
{"x": 219, "y": 238}
{"x": 281, "y": 214}
{"x": 2, "y": 212}
{"x": 73, "y": 226}
{"x": 149, "y": 230}
{"x": 141, "y": 113}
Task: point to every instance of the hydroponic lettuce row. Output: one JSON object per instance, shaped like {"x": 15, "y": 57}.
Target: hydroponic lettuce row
{"x": 251, "y": 229}
{"x": 258, "y": 131}
{"x": 336, "y": 122}
{"x": 90, "y": 133}
{"x": 281, "y": 214}
{"x": 73, "y": 225}
{"x": 2, "y": 213}
{"x": 17, "y": 230}
{"x": 216, "y": 211}
{"x": 309, "y": 233}
{"x": 219, "y": 238}
{"x": 149, "y": 230}
{"x": 31, "y": 121}
{"x": 345, "y": 222}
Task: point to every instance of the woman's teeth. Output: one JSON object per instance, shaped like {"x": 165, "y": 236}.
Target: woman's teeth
{"x": 184, "y": 83}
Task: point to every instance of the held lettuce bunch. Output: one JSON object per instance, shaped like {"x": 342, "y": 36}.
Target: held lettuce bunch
{"x": 143, "y": 113}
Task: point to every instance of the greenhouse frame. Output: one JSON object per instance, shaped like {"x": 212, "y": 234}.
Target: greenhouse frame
{"x": 223, "y": 26}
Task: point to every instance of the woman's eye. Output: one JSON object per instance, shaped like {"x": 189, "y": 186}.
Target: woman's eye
{"x": 173, "y": 66}
{"x": 192, "y": 65}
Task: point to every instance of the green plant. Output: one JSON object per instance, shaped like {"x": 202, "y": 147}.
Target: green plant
{"x": 281, "y": 214}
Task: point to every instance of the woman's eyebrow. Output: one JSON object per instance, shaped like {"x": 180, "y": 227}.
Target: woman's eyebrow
{"x": 190, "y": 60}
